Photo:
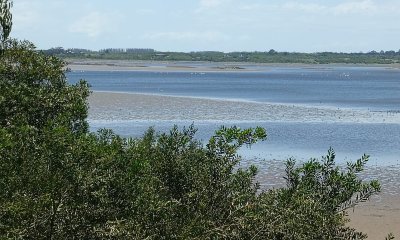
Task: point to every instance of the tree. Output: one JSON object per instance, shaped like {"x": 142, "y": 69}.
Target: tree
{"x": 34, "y": 90}
{"x": 42, "y": 118}
{"x": 5, "y": 21}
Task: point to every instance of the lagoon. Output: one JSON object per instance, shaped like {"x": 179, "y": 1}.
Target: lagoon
{"x": 305, "y": 110}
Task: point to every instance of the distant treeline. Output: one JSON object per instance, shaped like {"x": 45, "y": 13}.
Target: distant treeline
{"x": 271, "y": 56}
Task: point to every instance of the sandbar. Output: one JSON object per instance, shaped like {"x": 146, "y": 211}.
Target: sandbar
{"x": 138, "y": 106}
{"x": 192, "y": 66}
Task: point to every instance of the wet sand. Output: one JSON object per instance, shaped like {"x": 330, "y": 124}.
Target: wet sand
{"x": 187, "y": 66}
{"x": 131, "y": 106}
{"x": 126, "y": 65}
{"x": 377, "y": 217}
{"x": 381, "y": 215}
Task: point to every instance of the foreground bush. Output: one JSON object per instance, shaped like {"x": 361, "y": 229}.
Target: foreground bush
{"x": 168, "y": 186}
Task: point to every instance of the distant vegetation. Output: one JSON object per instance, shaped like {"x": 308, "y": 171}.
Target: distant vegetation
{"x": 271, "y": 56}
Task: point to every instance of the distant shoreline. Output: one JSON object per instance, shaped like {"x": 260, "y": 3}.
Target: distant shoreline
{"x": 194, "y": 66}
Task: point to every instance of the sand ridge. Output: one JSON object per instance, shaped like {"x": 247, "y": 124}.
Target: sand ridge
{"x": 135, "y": 106}
{"x": 190, "y": 66}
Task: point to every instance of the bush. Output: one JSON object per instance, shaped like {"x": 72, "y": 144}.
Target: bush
{"x": 34, "y": 90}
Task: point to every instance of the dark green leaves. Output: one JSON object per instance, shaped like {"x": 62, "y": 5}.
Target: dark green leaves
{"x": 33, "y": 90}
{"x": 336, "y": 189}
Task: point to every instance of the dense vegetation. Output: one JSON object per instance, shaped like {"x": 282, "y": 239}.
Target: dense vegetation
{"x": 271, "y": 56}
{"x": 60, "y": 181}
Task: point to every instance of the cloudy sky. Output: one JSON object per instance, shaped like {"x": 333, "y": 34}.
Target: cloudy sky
{"x": 222, "y": 25}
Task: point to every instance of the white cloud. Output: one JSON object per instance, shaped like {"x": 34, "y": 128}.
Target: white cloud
{"x": 25, "y": 15}
{"x": 145, "y": 11}
{"x": 250, "y": 7}
{"x": 211, "y": 3}
{"x": 342, "y": 7}
{"x": 305, "y": 7}
{"x": 93, "y": 24}
{"x": 205, "y": 5}
{"x": 210, "y": 36}
{"x": 365, "y": 6}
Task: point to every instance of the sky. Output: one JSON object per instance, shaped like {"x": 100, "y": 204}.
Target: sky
{"x": 210, "y": 25}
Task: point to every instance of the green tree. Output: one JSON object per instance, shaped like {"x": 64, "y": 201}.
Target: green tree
{"x": 34, "y": 90}
{"x": 5, "y": 21}
{"x": 41, "y": 119}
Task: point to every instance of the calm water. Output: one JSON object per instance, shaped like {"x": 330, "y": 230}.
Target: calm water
{"x": 372, "y": 88}
{"x": 376, "y": 89}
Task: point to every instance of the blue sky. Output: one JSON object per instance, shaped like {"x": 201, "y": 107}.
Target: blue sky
{"x": 221, "y": 25}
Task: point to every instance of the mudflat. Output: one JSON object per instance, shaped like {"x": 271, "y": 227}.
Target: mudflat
{"x": 136, "y": 106}
{"x": 172, "y": 66}
{"x": 190, "y": 66}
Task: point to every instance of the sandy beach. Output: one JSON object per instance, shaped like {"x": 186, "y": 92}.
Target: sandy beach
{"x": 377, "y": 217}
{"x": 173, "y": 66}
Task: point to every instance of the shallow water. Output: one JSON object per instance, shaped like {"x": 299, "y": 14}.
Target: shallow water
{"x": 355, "y": 110}
{"x": 299, "y": 140}
{"x": 371, "y": 88}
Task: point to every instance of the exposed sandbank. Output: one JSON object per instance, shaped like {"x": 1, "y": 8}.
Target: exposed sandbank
{"x": 187, "y": 66}
{"x": 132, "y": 106}
{"x": 125, "y": 65}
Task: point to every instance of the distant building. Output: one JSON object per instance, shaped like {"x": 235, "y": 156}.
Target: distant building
{"x": 112, "y": 50}
{"x": 78, "y": 51}
{"x": 127, "y": 50}
{"x": 140, "y": 50}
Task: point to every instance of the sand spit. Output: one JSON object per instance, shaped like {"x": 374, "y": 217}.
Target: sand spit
{"x": 125, "y": 65}
{"x": 108, "y": 106}
{"x": 193, "y": 66}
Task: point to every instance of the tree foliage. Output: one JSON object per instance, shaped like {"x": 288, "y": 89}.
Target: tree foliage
{"x": 271, "y": 56}
{"x": 5, "y": 21}
{"x": 34, "y": 90}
